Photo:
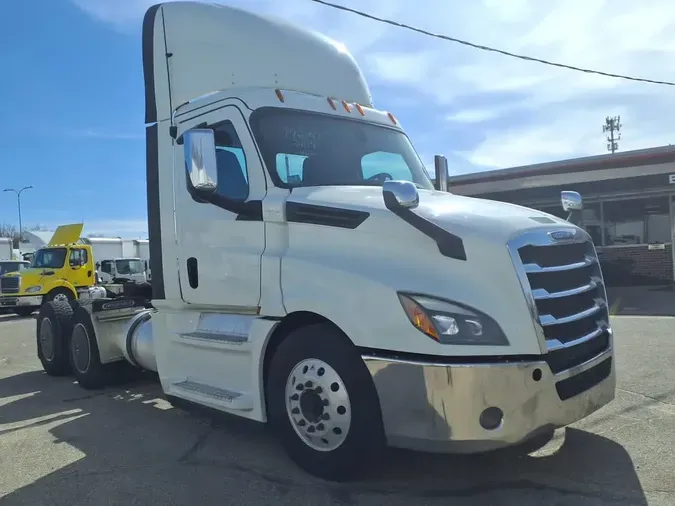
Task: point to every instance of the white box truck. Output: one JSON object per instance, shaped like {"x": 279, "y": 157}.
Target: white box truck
{"x": 307, "y": 274}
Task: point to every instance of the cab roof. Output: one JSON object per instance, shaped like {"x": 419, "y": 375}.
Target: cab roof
{"x": 207, "y": 48}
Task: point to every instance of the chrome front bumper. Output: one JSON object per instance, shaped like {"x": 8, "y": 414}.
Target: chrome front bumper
{"x": 22, "y": 300}
{"x": 437, "y": 407}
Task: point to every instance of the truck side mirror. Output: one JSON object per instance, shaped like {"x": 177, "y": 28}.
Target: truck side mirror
{"x": 400, "y": 194}
{"x": 441, "y": 168}
{"x": 571, "y": 203}
{"x": 199, "y": 149}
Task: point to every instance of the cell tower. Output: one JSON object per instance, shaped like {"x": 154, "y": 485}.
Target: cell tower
{"x": 612, "y": 125}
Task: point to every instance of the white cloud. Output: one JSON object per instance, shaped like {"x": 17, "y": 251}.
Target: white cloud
{"x": 483, "y": 109}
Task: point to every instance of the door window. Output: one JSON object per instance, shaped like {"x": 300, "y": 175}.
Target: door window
{"x": 231, "y": 163}
{"x": 78, "y": 256}
{"x": 106, "y": 266}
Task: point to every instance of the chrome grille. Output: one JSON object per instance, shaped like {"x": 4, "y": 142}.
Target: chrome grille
{"x": 563, "y": 283}
{"x": 10, "y": 285}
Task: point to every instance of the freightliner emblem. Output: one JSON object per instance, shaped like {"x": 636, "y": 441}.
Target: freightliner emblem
{"x": 563, "y": 235}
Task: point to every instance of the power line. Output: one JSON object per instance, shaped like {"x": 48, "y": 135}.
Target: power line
{"x": 488, "y": 48}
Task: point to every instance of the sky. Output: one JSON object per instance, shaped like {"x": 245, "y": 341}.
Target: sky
{"x": 74, "y": 103}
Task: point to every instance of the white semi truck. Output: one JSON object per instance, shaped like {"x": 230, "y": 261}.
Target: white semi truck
{"x": 352, "y": 305}
{"x": 118, "y": 259}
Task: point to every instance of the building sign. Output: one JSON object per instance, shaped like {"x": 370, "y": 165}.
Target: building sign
{"x": 671, "y": 178}
{"x": 656, "y": 246}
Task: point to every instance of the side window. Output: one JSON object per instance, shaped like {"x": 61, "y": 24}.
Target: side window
{"x": 78, "y": 256}
{"x": 289, "y": 168}
{"x": 106, "y": 266}
{"x": 231, "y": 161}
{"x": 389, "y": 163}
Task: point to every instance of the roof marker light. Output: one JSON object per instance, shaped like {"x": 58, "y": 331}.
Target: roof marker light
{"x": 359, "y": 108}
{"x": 346, "y": 106}
{"x": 280, "y": 95}
{"x": 391, "y": 117}
{"x": 332, "y": 104}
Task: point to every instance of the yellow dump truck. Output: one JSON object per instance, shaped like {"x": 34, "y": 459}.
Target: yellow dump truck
{"x": 61, "y": 270}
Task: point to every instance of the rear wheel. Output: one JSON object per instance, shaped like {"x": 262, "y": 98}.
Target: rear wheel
{"x": 88, "y": 370}
{"x": 52, "y": 333}
{"x": 323, "y": 404}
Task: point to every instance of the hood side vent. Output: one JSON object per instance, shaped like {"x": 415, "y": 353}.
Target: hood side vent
{"x": 324, "y": 215}
{"x": 542, "y": 219}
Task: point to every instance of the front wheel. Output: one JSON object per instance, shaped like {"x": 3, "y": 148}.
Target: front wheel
{"x": 60, "y": 295}
{"x": 323, "y": 404}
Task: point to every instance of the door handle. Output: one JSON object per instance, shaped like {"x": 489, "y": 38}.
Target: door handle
{"x": 193, "y": 272}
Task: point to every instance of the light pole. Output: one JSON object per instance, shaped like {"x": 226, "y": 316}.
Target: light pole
{"x": 18, "y": 203}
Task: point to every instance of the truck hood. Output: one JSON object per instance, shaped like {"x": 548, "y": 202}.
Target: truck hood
{"x": 28, "y": 274}
{"x": 463, "y": 216}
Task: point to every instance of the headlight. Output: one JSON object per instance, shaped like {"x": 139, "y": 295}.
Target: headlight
{"x": 451, "y": 323}
{"x": 33, "y": 289}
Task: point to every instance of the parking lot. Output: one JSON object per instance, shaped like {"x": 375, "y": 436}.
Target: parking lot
{"x": 62, "y": 445}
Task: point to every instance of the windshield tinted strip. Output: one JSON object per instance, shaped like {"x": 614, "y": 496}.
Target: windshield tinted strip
{"x": 324, "y": 215}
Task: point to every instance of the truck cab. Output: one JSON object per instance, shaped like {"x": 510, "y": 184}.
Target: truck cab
{"x": 308, "y": 274}
{"x": 117, "y": 270}
{"x": 62, "y": 270}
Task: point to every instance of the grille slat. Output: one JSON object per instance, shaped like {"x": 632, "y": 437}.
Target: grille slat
{"x": 10, "y": 285}
{"x": 566, "y": 287}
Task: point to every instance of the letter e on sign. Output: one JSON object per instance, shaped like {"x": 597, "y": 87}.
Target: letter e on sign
{"x": 671, "y": 178}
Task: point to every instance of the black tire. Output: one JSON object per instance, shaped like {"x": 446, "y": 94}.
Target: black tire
{"x": 24, "y": 311}
{"x": 60, "y": 294}
{"x": 365, "y": 434}
{"x": 85, "y": 360}
{"x": 52, "y": 334}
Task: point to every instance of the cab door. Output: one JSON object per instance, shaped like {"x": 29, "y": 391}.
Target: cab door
{"x": 80, "y": 272}
{"x": 221, "y": 235}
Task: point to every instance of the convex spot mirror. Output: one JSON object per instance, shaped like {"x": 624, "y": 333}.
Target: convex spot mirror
{"x": 199, "y": 149}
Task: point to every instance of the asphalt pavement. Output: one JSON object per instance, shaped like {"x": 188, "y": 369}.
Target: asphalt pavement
{"x": 62, "y": 445}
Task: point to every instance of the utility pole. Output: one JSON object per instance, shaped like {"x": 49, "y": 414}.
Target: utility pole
{"x": 612, "y": 125}
{"x": 18, "y": 203}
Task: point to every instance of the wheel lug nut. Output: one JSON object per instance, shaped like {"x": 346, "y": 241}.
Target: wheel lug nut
{"x": 295, "y": 411}
{"x": 300, "y": 386}
{"x": 318, "y": 390}
{"x": 308, "y": 384}
{"x": 295, "y": 397}
{"x": 325, "y": 416}
{"x": 325, "y": 402}
{"x": 311, "y": 429}
{"x": 319, "y": 426}
{"x": 302, "y": 423}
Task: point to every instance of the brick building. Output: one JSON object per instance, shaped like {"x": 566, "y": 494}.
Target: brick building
{"x": 629, "y": 206}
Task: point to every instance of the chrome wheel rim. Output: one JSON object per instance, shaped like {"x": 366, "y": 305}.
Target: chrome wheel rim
{"x": 318, "y": 405}
{"x": 47, "y": 339}
{"x": 81, "y": 348}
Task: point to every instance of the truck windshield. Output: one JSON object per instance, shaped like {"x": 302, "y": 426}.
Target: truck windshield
{"x": 6, "y": 267}
{"x": 301, "y": 148}
{"x": 49, "y": 258}
{"x": 128, "y": 267}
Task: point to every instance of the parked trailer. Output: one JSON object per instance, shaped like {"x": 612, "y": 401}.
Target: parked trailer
{"x": 6, "y": 249}
{"x": 355, "y": 311}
